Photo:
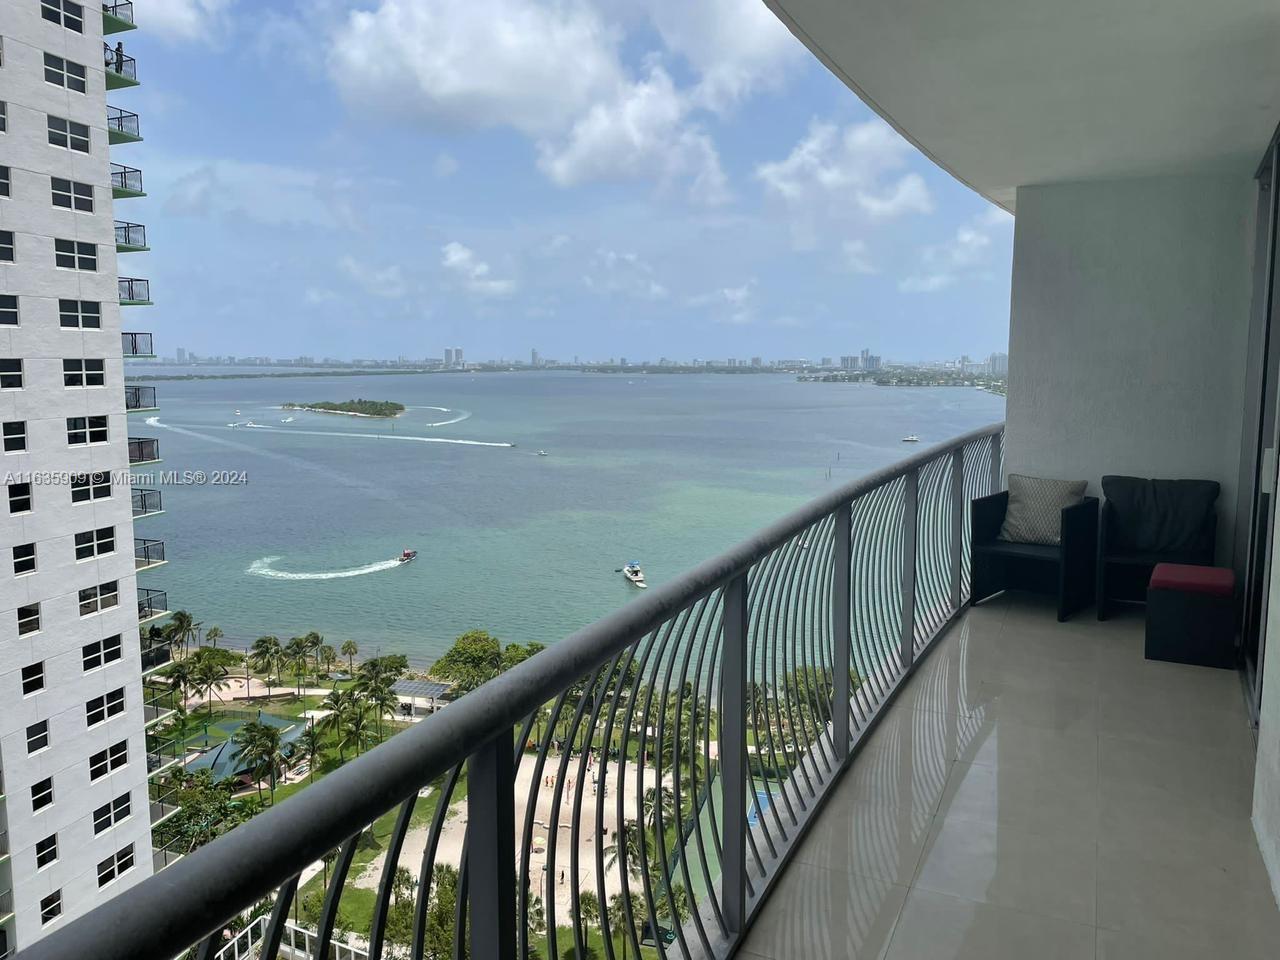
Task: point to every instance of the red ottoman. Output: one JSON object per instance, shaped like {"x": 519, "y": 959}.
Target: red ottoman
{"x": 1191, "y": 615}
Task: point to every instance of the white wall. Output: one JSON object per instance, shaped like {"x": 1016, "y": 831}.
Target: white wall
{"x": 1129, "y": 331}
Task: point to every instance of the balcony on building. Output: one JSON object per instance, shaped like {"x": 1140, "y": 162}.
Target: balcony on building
{"x": 148, "y": 554}
{"x": 139, "y": 399}
{"x": 131, "y": 237}
{"x": 146, "y": 502}
{"x": 152, "y": 605}
{"x": 160, "y": 701}
{"x": 163, "y": 753}
{"x": 117, "y": 17}
{"x": 126, "y": 182}
{"x": 137, "y": 345}
{"x": 143, "y": 450}
{"x": 122, "y": 126}
{"x": 866, "y": 758}
{"x": 134, "y": 292}
{"x": 121, "y": 69}
{"x": 163, "y": 797}
{"x": 156, "y": 652}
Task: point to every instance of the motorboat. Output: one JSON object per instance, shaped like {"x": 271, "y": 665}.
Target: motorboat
{"x": 407, "y": 555}
{"x": 911, "y": 438}
{"x": 542, "y": 453}
{"x": 633, "y": 573}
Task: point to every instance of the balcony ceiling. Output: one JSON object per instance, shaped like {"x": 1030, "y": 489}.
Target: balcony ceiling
{"x": 1003, "y": 93}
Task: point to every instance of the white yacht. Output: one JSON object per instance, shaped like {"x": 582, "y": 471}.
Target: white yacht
{"x": 911, "y": 438}
{"x": 633, "y": 573}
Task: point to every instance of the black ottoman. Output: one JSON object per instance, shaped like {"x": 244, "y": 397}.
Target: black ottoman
{"x": 1191, "y": 615}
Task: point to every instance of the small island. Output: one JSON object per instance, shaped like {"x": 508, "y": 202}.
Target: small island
{"x": 351, "y": 408}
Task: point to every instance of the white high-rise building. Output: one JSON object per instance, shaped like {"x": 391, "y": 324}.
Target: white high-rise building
{"x": 76, "y": 815}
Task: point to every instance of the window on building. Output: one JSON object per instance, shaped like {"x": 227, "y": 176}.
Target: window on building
{"x": 4, "y": 117}
{"x": 65, "y": 73}
{"x": 83, "y": 373}
{"x": 19, "y": 497}
{"x": 37, "y": 736}
{"x": 51, "y": 908}
{"x": 65, "y": 13}
{"x": 68, "y": 134}
{"x": 96, "y": 599}
{"x": 71, "y": 194}
{"x": 75, "y": 255}
{"x": 42, "y": 794}
{"x": 119, "y": 862}
{"x": 28, "y": 619}
{"x": 101, "y": 652}
{"x": 95, "y": 543}
{"x": 80, "y": 313}
{"x": 46, "y": 851}
{"x": 82, "y": 430}
{"x": 109, "y": 814}
{"x": 10, "y": 374}
{"x": 6, "y": 181}
{"x": 8, "y": 309}
{"x": 24, "y": 559}
{"x": 32, "y": 678}
{"x": 6, "y": 246}
{"x": 105, "y": 761}
{"x": 88, "y": 486}
{"x": 15, "y": 435}
{"x": 104, "y": 707}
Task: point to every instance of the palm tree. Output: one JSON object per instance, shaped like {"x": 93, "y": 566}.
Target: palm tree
{"x": 355, "y": 730}
{"x": 310, "y": 742}
{"x": 259, "y": 745}
{"x": 265, "y": 655}
{"x": 349, "y": 650}
{"x": 314, "y": 642}
{"x": 295, "y": 655}
{"x": 327, "y": 656}
{"x": 213, "y": 635}
{"x": 629, "y": 838}
{"x": 181, "y": 628}
{"x": 180, "y": 726}
{"x": 209, "y": 676}
{"x": 588, "y": 910}
{"x": 179, "y": 673}
{"x": 617, "y": 914}
{"x": 339, "y": 704}
{"x": 659, "y": 799}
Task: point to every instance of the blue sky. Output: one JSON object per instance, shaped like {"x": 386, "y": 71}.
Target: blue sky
{"x": 597, "y": 178}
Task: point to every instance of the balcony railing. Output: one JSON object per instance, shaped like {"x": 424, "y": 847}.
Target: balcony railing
{"x": 158, "y": 702}
{"x": 155, "y": 654}
{"x": 130, "y": 236}
{"x": 703, "y": 725}
{"x": 139, "y": 398}
{"x": 122, "y": 125}
{"x": 163, "y": 798}
{"x": 137, "y": 345}
{"x": 146, "y": 502}
{"x": 151, "y": 604}
{"x": 117, "y": 17}
{"x": 126, "y": 181}
{"x": 134, "y": 291}
{"x": 143, "y": 450}
{"x": 162, "y": 753}
{"x": 147, "y": 553}
{"x": 122, "y": 69}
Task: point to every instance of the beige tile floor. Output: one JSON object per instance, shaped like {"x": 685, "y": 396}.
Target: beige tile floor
{"x": 1039, "y": 791}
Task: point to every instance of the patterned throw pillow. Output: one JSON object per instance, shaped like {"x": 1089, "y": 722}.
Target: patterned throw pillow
{"x": 1035, "y": 508}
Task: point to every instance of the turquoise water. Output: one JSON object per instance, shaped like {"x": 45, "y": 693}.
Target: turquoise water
{"x": 666, "y": 470}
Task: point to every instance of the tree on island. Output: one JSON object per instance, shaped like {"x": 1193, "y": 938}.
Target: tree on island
{"x": 476, "y": 658}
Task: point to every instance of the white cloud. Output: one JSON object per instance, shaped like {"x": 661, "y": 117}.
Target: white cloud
{"x": 626, "y": 274}
{"x": 473, "y": 271}
{"x": 643, "y": 132}
{"x": 445, "y": 165}
{"x": 185, "y": 19}
{"x": 318, "y": 295}
{"x": 942, "y": 264}
{"x": 260, "y": 192}
{"x": 736, "y": 46}
{"x": 732, "y": 296}
{"x": 377, "y": 281}
{"x": 841, "y": 174}
{"x": 856, "y": 257}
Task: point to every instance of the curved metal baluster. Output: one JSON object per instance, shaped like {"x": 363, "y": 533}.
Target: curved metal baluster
{"x": 526, "y": 834}
{"x": 329, "y": 913}
{"x": 377, "y": 930}
{"x": 461, "y": 948}
{"x": 426, "y": 871}
{"x": 274, "y": 931}
{"x": 759, "y": 655}
{"x": 708, "y": 698}
{"x": 619, "y": 681}
{"x": 780, "y": 660}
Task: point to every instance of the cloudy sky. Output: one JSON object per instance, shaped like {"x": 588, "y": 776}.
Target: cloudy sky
{"x": 585, "y": 177}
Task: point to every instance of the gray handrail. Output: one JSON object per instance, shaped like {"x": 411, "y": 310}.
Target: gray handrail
{"x": 162, "y": 916}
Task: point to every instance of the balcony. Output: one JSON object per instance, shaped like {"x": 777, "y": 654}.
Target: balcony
{"x": 163, "y": 802}
{"x": 126, "y": 182}
{"x": 121, "y": 69}
{"x": 139, "y": 399}
{"x": 155, "y": 654}
{"x": 117, "y": 17}
{"x": 122, "y": 126}
{"x": 152, "y": 605}
{"x": 134, "y": 292}
{"x": 143, "y": 450}
{"x": 131, "y": 237}
{"x": 137, "y": 345}
{"x": 167, "y": 855}
{"x": 160, "y": 701}
{"x": 146, "y": 502}
{"x": 162, "y": 755}
{"x": 147, "y": 554}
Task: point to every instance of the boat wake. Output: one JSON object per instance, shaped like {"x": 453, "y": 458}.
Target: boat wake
{"x": 265, "y": 568}
{"x": 461, "y": 415}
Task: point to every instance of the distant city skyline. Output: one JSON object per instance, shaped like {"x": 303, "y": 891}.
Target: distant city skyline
{"x": 335, "y": 180}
